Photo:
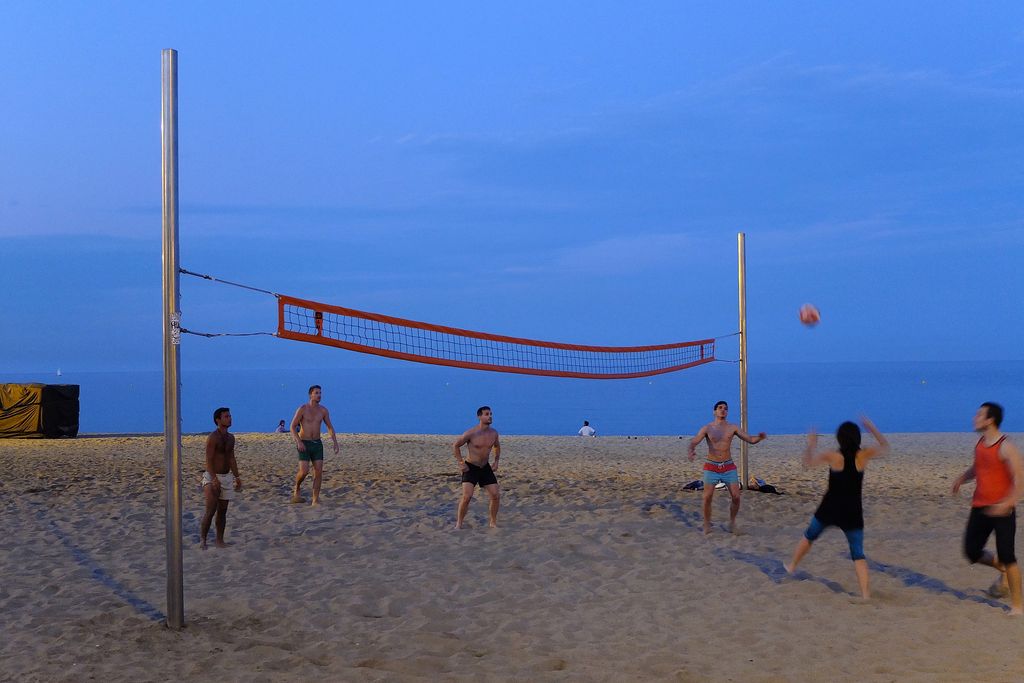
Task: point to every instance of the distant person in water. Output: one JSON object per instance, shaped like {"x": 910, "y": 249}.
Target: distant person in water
{"x": 718, "y": 466}
{"x": 220, "y": 480}
{"x": 842, "y": 505}
{"x": 282, "y": 428}
{"x": 305, "y": 431}
{"x": 587, "y": 430}
{"x": 476, "y": 468}
{"x": 999, "y": 474}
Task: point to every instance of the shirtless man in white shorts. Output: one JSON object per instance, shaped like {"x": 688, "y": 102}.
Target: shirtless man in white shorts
{"x": 220, "y": 480}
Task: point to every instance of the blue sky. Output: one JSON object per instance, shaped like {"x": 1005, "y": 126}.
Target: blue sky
{"x": 566, "y": 171}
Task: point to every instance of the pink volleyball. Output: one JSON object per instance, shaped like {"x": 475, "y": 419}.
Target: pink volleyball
{"x": 809, "y": 315}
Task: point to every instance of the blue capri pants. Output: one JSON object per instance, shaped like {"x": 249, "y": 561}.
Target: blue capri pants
{"x": 855, "y": 537}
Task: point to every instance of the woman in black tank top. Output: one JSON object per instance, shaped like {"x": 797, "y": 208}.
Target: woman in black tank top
{"x": 842, "y": 505}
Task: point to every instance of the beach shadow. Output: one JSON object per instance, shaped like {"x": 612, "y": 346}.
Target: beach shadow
{"x": 190, "y": 527}
{"x": 97, "y": 572}
{"x": 401, "y": 516}
{"x": 690, "y": 519}
{"x": 774, "y": 570}
{"x": 913, "y": 579}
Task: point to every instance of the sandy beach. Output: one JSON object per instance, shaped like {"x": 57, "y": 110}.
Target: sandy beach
{"x": 598, "y": 571}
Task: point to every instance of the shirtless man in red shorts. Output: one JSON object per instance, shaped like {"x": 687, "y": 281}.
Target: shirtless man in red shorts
{"x": 719, "y": 467}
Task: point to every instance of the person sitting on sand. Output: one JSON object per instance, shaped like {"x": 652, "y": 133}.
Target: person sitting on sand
{"x": 998, "y": 470}
{"x": 305, "y": 432}
{"x": 587, "y": 430}
{"x": 719, "y": 467}
{"x": 842, "y": 506}
{"x": 281, "y": 428}
{"x": 220, "y": 480}
{"x": 476, "y": 469}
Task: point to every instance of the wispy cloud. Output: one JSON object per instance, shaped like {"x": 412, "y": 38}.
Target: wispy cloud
{"x": 989, "y": 83}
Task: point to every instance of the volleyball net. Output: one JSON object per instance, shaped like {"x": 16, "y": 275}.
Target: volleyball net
{"x": 382, "y": 335}
{"x": 411, "y": 340}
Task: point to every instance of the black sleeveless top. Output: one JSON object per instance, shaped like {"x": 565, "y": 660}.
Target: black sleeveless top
{"x": 841, "y": 505}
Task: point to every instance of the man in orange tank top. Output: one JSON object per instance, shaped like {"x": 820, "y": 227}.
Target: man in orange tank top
{"x": 1000, "y": 482}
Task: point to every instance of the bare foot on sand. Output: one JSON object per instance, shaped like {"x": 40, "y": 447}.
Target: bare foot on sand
{"x": 316, "y": 501}
{"x": 999, "y": 588}
{"x": 296, "y": 498}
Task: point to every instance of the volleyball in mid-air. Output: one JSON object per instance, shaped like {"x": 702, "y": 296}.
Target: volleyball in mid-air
{"x": 809, "y": 315}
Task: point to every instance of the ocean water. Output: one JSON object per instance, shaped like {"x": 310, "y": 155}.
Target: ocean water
{"x": 785, "y": 398}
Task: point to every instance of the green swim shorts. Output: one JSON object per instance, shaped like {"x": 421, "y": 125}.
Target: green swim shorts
{"x": 314, "y": 450}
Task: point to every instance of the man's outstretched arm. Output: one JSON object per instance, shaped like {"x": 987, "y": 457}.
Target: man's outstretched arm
{"x": 701, "y": 435}
{"x": 751, "y": 439}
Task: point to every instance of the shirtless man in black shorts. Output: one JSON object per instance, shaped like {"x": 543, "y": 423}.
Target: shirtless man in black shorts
{"x": 220, "y": 480}
{"x": 476, "y": 470}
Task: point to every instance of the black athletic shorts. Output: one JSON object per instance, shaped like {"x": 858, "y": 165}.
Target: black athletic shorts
{"x": 980, "y": 526}
{"x": 479, "y": 476}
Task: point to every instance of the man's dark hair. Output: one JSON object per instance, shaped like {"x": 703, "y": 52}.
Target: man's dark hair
{"x": 315, "y": 386}
{"x": 720, "y": 403}
{"x": 481, "y": 409}
{"x": 586, "y": 423}
{"x": 217, "y": 413}
{"x": 995, "y": 411}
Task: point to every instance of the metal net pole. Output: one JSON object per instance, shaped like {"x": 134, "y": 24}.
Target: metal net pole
{"x": 171, "y": 337}
{"x": 742, "y": 272}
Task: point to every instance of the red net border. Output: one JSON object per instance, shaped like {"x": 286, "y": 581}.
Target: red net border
{"x": 706, "y": 350}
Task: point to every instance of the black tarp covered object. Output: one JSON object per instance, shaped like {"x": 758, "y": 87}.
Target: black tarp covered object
{"x": 35, "y": 411}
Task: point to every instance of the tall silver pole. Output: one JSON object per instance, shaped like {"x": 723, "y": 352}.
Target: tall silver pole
{"x": 742, "y": 271}
{"x": 172, "y": 337}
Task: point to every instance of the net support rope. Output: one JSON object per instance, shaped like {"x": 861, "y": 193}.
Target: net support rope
{"x": 411, "y": 340}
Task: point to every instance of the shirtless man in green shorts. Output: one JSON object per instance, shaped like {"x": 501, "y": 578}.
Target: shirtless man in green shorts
{"x": 305, "y": 432}
{"x": 220, "y": 480}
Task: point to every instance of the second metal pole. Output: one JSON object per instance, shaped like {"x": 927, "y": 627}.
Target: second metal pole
{"x": 742, "y": 270}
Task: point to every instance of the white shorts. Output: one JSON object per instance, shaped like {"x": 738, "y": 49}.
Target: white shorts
{"x": 227, "y": 484}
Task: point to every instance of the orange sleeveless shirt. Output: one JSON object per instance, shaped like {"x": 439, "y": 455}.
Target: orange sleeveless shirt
{"x": 993, "y": 475}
